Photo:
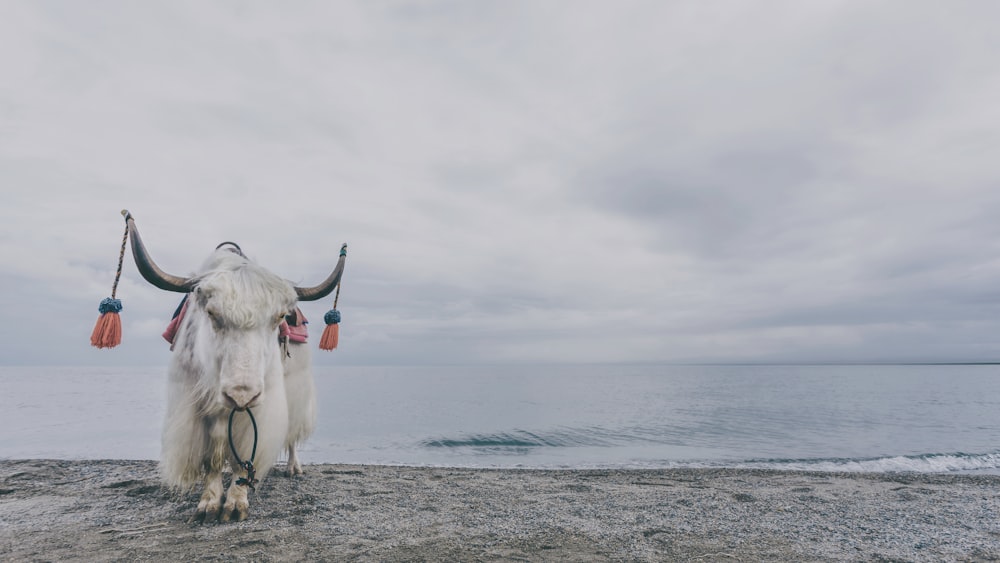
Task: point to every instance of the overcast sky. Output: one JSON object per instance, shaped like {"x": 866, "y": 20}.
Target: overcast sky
{"x": 534, "y": 181}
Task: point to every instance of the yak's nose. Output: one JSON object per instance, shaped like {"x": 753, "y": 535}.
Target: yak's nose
{"x": 241, "y": 397}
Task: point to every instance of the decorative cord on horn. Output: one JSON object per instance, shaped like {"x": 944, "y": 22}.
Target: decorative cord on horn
{"x": 108, "y": 330}
{"x": 331, "y": 334}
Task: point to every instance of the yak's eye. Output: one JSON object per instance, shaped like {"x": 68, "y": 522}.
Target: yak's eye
{"x": 216, "y": 320}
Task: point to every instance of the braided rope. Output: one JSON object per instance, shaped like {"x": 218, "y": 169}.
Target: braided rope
{"x": 121, "y": 259}
{"x": 336, "y": 297}
{"x": 332, "y": 316}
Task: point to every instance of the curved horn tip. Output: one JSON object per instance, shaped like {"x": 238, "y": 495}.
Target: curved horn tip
{"x": 148, "y": 269}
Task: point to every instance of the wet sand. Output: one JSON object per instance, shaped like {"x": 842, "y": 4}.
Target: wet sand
{"x": 117, "y": 510}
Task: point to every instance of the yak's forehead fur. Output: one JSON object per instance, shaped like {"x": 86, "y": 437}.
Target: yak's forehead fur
{"x": 243, "y": 293}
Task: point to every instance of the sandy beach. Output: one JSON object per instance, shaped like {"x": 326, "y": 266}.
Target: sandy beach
{"x": 117, "y": 510}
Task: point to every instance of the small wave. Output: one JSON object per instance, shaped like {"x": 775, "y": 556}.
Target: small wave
{"x": 502, "y": 440}
{"x": 519, "y": 439}
{"x": 928, "y": 463}
{"x": 538, "y": 446}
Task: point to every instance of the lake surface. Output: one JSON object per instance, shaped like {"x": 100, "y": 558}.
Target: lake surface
{"x": 927, "y": 418}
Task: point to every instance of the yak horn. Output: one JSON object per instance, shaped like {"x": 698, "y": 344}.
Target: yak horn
{"x": 148, "y": 268}
{"x": 328, "y": 285}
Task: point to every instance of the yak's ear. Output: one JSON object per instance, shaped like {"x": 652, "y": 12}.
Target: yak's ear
{"x": 202, "y": 296}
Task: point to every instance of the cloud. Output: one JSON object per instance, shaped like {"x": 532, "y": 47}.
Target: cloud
{"x": 518, "y": 182}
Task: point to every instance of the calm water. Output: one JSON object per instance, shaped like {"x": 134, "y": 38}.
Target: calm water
{"x": 871, "y": 418}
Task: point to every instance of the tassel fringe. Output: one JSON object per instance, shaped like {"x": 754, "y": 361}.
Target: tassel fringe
{"x": 331, "y": 337}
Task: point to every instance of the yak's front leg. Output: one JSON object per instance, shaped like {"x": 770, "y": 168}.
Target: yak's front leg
{"x": 211, "y": 498}
{"x": 237, "y": 502}
{"x": 294, "y": 467}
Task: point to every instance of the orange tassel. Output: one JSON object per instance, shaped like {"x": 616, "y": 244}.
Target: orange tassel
{"x": 108, "y": 331}
{"x": 331, "y": 336}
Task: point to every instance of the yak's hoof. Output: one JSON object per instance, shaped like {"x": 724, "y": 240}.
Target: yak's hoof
{"x": 234, "y": 515}
{"x": 204, "y": 516}
{"x": 207, "y": 512}
{"x": 235, "y": 510}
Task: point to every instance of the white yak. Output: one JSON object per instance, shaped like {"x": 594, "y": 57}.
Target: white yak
{"x": 227, "y": 356}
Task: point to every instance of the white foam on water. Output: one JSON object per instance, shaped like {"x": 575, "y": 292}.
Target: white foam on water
{"x": 930, "y": 463}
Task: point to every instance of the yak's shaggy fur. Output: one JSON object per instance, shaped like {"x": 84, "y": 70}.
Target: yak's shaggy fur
{"x": 226, "y": 354}
{"x": 300, "y": 392}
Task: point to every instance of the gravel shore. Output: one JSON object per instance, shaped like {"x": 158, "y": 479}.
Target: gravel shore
{"x": 117, "y": 510}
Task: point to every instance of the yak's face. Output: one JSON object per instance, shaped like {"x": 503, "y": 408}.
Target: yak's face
{"x": 227, "y": 349}
{"x": 238, "y": 307}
